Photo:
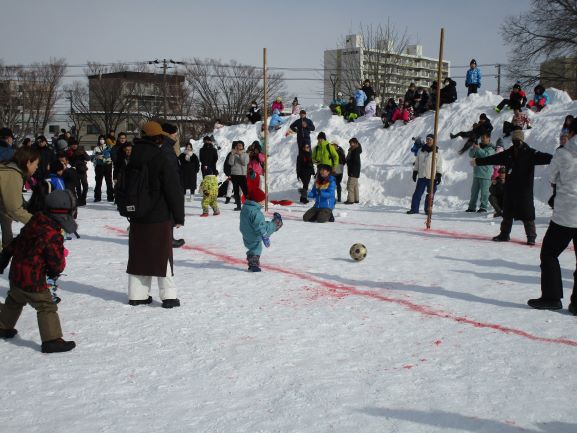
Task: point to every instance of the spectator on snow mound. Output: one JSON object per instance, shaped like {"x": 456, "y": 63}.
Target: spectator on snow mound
{"x": 276, "y": 121}
{"x": 37, "y": 253}
{"x": 255, "y": 230}
{"x": 368, "y": 90}
{"x": 422, "y": 173}
{"x": 540, "y": 99}
{"x": 360, "y": 101}
{"x": 189, "y": 167}
{"x": 562, "y": 228}
{"x": 421, "y": 101}
{"x": 473, "y": 79}
{"x": 497, "y": 192}
{"x": 323, "y": 191}
{"x": 519, "y": 121}
{"x": 410, "y": 94}
{"x": 303, "y": 127}
{"x": 305, "y": 169}
{"x": 295, "y": 106}
{"x": 338, "y": 104}
{"x": 481, "y": 175}
{"x": 517, "y": 98}
{"x": 253, "y": 115}
{"x": 277, "y": 105}
{"x": 448, "y": 92}
{"x": 403, "y": 112}
{"x": 353, "y": 160}
{"x": 370, "y": 109}
{"x": 324, "y": 153}
{"x": 479, "y": 128}
{"x": 520, "y": 161}
{"x": 388, "y": 111}
{"x": 350, "y": 110}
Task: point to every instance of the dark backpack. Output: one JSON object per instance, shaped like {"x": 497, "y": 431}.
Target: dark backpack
{"x": 227, "y": 167}
{"x": 137, "y": 190}
{"x": 37, "y": 201}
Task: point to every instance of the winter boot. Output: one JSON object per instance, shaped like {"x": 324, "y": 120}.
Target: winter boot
{"x": 502, "y": 238}
{"x": 204, "y": 213}
{"x": 58, "y": 345}
{"x": 304, "y": 200}
{"x": 216, "y": 212}
{"x": 8, "y": 333}
{"x": 135, "y": 302}
{"x": 453, "y": 136}
{"x": 470, "y": 210}
{"x": 572, "y": 309}
{"x": 254, "y": 263}
{"x": 227, "y": 201}
{"x": 482, "y": 210}
{"x": 177, "y": 243}
{"x": 531, "y": 240}
{"x": 544, "y": 304}
{"x": 170, "y": 303}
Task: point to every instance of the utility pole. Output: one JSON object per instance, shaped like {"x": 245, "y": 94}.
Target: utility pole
{"x": 498, "y": 78}
{"x": 165, "y": 66}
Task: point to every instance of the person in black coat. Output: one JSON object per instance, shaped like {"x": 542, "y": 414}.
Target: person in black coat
{"x": 208, "y": 156}
{"x": 368, "y": 89}
{"x": 448, "y": 92}
{"x": 421, "y": 101}
{"x": 520, "y": 161}
{"x": 150, "y": 237}
{"x": 189, "y": 166}
{"x": 388, "y": 110}
{"x": 78, "y": 159}
{"x": 47, "y": 156}
{"x": 303, "y": 127}
{"x": 410, "y": 95}
{"x": 124, "y": 151}
{"x": 482, "y": 127}
{"x": 305, "y": 169}
{"x": 354, "y": 170}
{"x": 253, "y": 115}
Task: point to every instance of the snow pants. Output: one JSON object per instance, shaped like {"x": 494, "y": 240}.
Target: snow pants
{"x": 209, "y": 201}
{"x": 480, "y": 186}
{"x": 555, "y": 241}
{"x": 319, "y": 215}
{"x": 422, "y": 184}
{"x": 139, "y": 286}
{"x": 46, "y": 312}
{"x": 254, "y": 247}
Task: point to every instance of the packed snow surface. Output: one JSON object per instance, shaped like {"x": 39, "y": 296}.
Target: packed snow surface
{"x": 430, "y": 333}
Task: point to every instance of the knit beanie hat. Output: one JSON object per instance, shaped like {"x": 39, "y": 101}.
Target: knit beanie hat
{"x": 257, "y": 195}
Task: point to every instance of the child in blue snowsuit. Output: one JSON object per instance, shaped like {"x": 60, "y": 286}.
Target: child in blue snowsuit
{"x": 255, "y": 229}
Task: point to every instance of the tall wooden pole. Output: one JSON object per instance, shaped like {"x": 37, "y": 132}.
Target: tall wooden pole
{"x": 438, "y": 105}
{"x": 265, "y": 124}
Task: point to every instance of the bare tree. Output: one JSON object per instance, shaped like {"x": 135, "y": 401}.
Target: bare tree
{"x": 547, "y": 31}
{"x": 225, "y": 91}
{"x": 10, "y": 100}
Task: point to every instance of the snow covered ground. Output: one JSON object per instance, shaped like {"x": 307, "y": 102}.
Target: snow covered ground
{"x": 430, "y": 333}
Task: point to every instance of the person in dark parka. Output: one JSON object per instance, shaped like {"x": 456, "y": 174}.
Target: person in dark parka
{"x": 448, "y": 91}
{"x": 208, "y": 157}
{"x": 303, "y": 127}
{"x": 150, "y": 237}
{"x": 189, "y": 166}
{"x": 305, "y": 169}
{"x": 520, "y": 161}
{"x": 369, "y": 91}
{"x": 354, "y": 170}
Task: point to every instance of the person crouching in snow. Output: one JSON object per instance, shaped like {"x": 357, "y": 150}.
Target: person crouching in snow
{"x": 209, "y": 188}
{"x": 37, "y": 254}
{"x": 255, "y": 229}
{"x": 422, "y": 174}
{"x": 323, "y": 192}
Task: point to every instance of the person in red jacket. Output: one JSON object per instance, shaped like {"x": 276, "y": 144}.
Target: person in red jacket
{"x": 37, "y": 254}
{"x": 517, "y": 98}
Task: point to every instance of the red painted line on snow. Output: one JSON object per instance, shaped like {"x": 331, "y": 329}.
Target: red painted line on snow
{"x": 340, "y": 290}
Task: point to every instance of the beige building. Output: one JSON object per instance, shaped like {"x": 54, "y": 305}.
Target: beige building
{"x": 560, "y": 73}
{"x": 345, "y": 67}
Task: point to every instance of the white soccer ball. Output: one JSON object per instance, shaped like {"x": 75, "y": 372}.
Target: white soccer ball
{"x": 358, "y": 252}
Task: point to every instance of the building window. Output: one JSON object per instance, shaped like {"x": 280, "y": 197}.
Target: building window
{"x": 93, "y": 129}
{"x": 54, "y": 129}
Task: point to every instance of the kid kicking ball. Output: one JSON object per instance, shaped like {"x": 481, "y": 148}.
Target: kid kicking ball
{"x": 358, "y": 252}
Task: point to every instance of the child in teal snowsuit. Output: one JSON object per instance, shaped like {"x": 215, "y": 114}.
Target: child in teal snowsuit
{"x": 255, "y": 229}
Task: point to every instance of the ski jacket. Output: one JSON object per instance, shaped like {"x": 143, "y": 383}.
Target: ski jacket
{"x": 37, "y": 253}
{"x": 369, "y": 92}
{"x": 11, "y": 202}
{"x": 78, "y": 159}
{"x": 360, "y": 98}
{"x": 57, "y": 182}
{"x": 520, "y": 161}
{"x": 324, "y": 153}
{"x": 424, "y": 163}
{"x": 339, "y": 101}
{"x": 238, "y": 163}
{"x": 371, "y": 109}
{"x": 102, "y": 155}
{"x": 484, "y": 171}
{"x": 277, "y": 105}
{"x": 255, "y": 163}
{"x": 323, "y": 192}
{"x": 354, "y": 161}
{"x": 473, "y": 77}
{"x": 563, "y": 173}
{"x": 209, "y": 184}
{"x": 541, "y": 100}
{"x": 521, "y": 120}
{"x": 518, "y": 97}
{"x": 303, "y": 128}
{"x": 276, "y": 119}
{"x": 253, "y": 225}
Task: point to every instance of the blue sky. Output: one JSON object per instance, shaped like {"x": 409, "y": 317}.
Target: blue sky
{"x": 295, "y": 33}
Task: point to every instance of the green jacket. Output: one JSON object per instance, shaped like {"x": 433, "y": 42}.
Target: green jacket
{"x": 484, "y": 171}
{"x": 324, "y": 153}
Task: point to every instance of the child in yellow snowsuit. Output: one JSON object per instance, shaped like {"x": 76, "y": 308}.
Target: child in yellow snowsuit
{"x": 209, "y": 188}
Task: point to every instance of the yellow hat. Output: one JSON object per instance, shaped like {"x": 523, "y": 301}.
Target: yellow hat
{"x": 152, "y": 129}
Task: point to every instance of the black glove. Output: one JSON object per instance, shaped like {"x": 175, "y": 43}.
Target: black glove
{"x": 415, "y": 176}
{"x": 438, "y": 178}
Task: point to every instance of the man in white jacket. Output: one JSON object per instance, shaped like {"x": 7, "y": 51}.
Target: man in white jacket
{"x": 422, "y": 174}
{"x": 562, "y": 228}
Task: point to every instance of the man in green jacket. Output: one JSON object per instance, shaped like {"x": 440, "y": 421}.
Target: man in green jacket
{"x": 481, "y": 174}
{"x": 324, "y": 153}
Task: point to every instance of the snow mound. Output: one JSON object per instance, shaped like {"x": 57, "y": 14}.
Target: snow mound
{"x": 386, "y": 158}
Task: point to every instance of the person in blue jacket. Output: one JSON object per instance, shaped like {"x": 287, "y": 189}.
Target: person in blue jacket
{"x": 540, "y": 99}
{"x": 56, "y": 176}
{"x": 323, "y": 192}
{"x": 276, "y": 121}
{"x": 360, "y": 99}
{"x": 473, "y": 80}
{"x": 255, "y": 229}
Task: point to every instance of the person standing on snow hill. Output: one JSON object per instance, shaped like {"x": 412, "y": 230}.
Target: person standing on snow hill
{"x": 448, "y": 92}
{"x": 324, "y": 153}
{"x": 323, "y": 191}
{"x": 303, "y": 127}
{"x": 295, "y": 106}
{"x": 369, "y": 92}
{"x": 37, "y": 253}
{"x": 481, "y": 175}
{"x": 473, "y": 79}
{"x": 255, "y": 230}
{"x": 562, "y": 228}
{"x": 422, "y": 173}
{"x": 540, "y": 99}
{"x": 360, "y": 100}
{"x": 520, "y": 161}
{"x": 253, "y": 113}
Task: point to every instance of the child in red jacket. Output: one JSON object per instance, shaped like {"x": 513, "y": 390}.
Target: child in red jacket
{"x": 37, "y": 254}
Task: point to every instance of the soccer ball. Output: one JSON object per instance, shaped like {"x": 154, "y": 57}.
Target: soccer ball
{"x": 358, "y": 252}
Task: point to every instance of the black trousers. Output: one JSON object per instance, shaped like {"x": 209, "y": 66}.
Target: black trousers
{"x": 530, "y": 230}
{"x": 306, "y": 180}
{"x": 472, "y": 88}
{"x": 502, "y": 104}
{"x": 507, "y": 128}
{"x": 338, "y": 180}
{"x": 103, "y": 171}
{"x": 82, "y": 186}
{"x": 555, "y": 241}
{"x": 238, "y": 181}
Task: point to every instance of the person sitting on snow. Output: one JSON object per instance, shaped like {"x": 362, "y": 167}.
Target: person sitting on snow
{"x": 421, "y": 101}
{"x": 323, "y": 191}
{"x": 276, "y": 121}
{"x": 403, "y": 112}
{"x": 519, "y": 121}
{"x": 388, "y": 111}
{"x": 277, "y": 105}
{"x": 479, "y": 128}
{"x": 540, "y": 99}
{"x": 338, "y": 104}
{"x": 517, "y": 98}
{"x": 448, "y": 92}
